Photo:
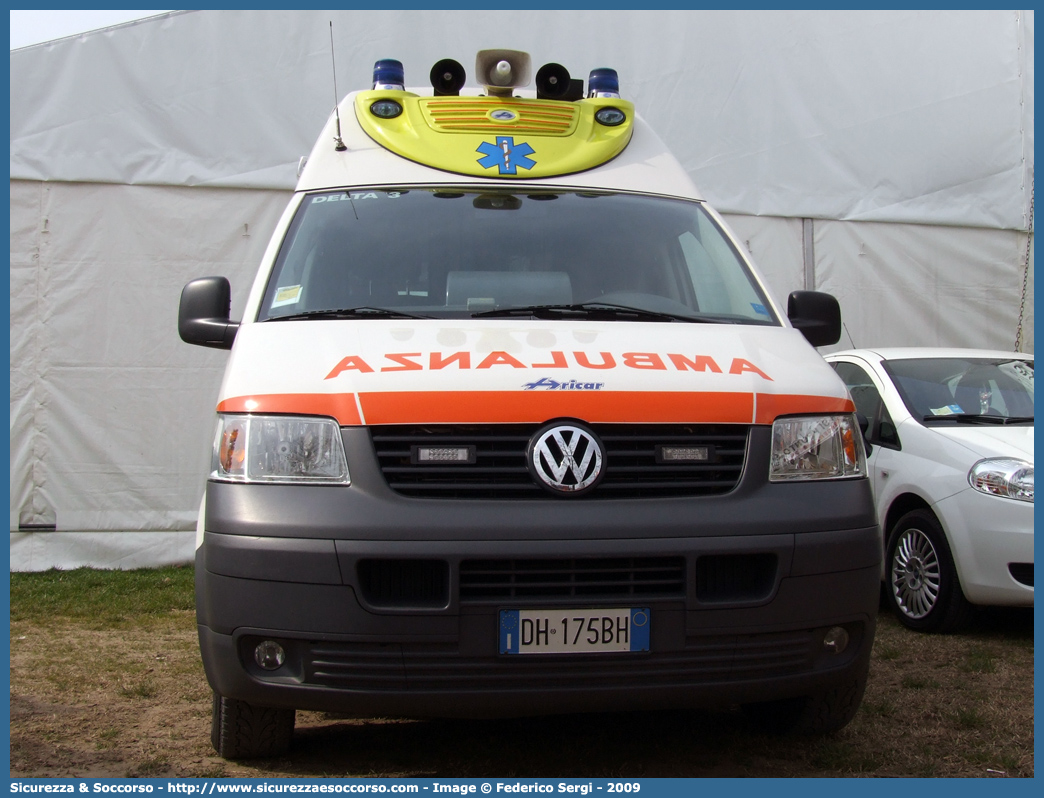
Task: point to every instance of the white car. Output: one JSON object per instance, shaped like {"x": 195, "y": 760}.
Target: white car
{"x": 951, "y": 432}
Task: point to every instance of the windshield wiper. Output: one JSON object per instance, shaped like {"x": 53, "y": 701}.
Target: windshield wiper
{"x": 980, "y": 418}
{"x": 598, "y": 311}
{"x": 348, "y": 313}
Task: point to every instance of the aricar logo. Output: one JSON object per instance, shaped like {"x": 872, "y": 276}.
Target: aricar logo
{"x": 548, "y": 384}
{"x": 506, "y": 154}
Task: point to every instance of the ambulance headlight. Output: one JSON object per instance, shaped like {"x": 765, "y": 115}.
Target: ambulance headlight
{"x": 386, "y": 109}
{"x": 816, "y": 447}
{"x": 610, "y": 117}
{"x": 279, "y": 449}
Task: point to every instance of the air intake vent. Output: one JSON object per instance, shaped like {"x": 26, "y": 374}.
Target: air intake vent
{"x": 612, "y": 578}
{"x": 440, "y": 668}
{"x": 635, "y": 465}
{"x": 731, "y": 578}
{"x": 471, "y": 115}
{"x": 404, "y": 583}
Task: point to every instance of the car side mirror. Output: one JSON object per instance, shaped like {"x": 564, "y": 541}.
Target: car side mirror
{"x": 203, "y": 316}
{"x": 816, "y": 315}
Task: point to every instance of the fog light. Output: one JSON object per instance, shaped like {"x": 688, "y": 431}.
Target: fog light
{"x": 835, "y": 640}
{"x": 269, "y": 655}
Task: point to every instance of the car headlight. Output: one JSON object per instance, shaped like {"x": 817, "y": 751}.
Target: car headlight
{"x": 816, "y": 447}
{"x": 1003, "y": 476}
{"x": 288, "y": 449}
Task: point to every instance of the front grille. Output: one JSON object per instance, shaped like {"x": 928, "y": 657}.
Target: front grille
{"x": 609, "y": 578}
{"x": 498, "y": 470}
{"x": 471, "y": 115}
{"x": 440, "y": 668}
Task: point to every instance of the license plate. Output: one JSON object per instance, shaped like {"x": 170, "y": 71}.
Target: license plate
{"x": 580, "y": 631}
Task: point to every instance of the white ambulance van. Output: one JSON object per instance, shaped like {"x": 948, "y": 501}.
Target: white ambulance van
{"x": 512, "y": 426}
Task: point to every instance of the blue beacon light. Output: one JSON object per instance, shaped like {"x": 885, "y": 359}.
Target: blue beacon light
{"x": 388, "y": 74}
{"x": 603, "y": 82}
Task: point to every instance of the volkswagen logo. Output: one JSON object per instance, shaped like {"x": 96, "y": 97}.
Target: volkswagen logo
{"x": 566, "y": 458}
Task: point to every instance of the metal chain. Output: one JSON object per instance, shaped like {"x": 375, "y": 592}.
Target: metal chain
{"x": 1025, "y": 271}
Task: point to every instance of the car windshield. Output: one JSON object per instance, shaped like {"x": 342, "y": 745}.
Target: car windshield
{"x": 951, "y": 390}
{"x": 458, "y": 254}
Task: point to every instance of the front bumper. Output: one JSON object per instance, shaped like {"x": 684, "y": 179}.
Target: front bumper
{"x": 343, "y": 658}
{"x": 988, "y": 535}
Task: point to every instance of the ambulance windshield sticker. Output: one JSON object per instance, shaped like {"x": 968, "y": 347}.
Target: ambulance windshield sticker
{"x": 346, "y": 197}
{"x": 949, "y": 410}
{"x": 760, "y": 309}
{"x": 506, "y": 154}
{"x": 287, "y": 295}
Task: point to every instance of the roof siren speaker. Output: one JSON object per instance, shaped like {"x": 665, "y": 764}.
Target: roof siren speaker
{"x": 500, "y": 71}
{"x": 552, "y": 82}
{"x": 447, "y": 78}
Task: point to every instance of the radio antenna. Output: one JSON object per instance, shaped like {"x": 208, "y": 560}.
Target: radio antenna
{"x": 850, "y": 338}
{"x": 339, "y": 142}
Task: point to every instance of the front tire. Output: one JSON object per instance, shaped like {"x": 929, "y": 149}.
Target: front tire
{"x": 921, "y": 583}
{"x": 239, "y": 730}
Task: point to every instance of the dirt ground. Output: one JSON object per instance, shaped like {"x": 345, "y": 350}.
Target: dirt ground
{"x": 134, "y": 703}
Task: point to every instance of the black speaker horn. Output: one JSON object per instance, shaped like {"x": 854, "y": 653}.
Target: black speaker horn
{"x": 552, "y": 82}
{"x": 447, "y": 78}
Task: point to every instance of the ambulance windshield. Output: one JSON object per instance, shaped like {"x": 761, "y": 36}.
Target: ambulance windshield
{"x": 456, "y": 253}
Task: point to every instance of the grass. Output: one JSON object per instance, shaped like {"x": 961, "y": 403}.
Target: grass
{"x": 103, "y": 598}
{"x": 979, "y": 660}
{"x": 916, "y": 682}
{"x": 969, "y": 719}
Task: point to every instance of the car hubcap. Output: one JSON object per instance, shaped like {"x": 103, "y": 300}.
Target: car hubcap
{"x": 916, "y": 576}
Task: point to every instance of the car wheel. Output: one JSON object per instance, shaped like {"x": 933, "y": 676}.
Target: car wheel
{"x": 921, "y": 581}
{"x": 820, "y": 713}
{"x": 239, "y": 730}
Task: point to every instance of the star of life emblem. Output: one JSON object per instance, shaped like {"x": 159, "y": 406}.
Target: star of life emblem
{"x": 506, "y": 155}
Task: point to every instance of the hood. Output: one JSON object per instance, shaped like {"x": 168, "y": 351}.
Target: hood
{"x": 993, "y": 441}
{"x": 463, "y": 371}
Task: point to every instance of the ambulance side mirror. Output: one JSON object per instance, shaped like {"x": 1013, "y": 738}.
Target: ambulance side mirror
{"x": 816, "y": 315}
{"x": 203, "y": 313}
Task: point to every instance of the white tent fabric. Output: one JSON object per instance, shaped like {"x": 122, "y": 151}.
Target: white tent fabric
{"x": 886, "y": 157}
{"x": 111, "y": 414}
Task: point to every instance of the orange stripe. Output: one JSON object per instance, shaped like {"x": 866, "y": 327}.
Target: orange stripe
{"x": 772, "y": 406}
{"x": 338, "y": 405}
{"x": 505, "y": 407}
{"x": 516, "y": 407}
